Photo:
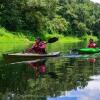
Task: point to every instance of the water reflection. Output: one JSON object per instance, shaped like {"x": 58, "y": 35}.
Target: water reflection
{"x": 91, "y": 91}
{"x": 39, "y": 67}
{"x": 51, "y": 79}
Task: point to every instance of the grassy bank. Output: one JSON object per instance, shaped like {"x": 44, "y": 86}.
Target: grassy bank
{"x": 87, "y": 37}
{"x": 62, "y": 38}
{"x": 12, "y": 43}
{"x": 71, "y": 39}
{"x": 8, "y": 37}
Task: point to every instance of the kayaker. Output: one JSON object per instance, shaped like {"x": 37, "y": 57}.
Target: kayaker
{"x": 38, "y": 47}
{"x": 91, "y": 44}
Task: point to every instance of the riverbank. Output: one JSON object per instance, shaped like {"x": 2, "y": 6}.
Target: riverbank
{"x": 9, "y": 37}
{"x": 71, "y": 39}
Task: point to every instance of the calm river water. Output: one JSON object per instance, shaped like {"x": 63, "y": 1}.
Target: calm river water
{"x": 59, "y": 78}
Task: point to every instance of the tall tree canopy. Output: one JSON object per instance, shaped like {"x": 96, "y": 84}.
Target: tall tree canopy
{"x": 68, "y": 17}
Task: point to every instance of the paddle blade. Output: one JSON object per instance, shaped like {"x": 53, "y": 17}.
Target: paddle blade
{"x": 51, "y": 40}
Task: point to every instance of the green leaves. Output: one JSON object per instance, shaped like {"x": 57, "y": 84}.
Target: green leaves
{"x": 58, "y": 24}
{"x": 66, "y": 17}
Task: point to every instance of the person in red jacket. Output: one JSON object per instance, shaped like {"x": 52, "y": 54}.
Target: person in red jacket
{"x": 38, "y": 47}
{"x": 92, "y": 44}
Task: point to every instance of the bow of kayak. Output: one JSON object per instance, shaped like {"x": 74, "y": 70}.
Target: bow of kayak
{"x": 89, "y": 50}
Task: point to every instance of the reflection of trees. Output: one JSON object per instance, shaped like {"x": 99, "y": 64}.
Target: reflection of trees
{"x": 12, "y": 78}
{"x": 68, "y": 77}
{"x": 78, "y": 74}
{"x": 60, "y": 76}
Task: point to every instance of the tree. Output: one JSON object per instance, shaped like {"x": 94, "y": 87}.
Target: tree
{"x": 58, "y": 24}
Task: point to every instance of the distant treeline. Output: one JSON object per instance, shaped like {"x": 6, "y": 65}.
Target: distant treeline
{"x": 67, "y": 17}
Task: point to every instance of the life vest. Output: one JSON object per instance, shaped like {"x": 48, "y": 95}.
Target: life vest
{"x": 39, "y": 47}
{"x": 42, "y": 45}
{"x": 92, "y": 45}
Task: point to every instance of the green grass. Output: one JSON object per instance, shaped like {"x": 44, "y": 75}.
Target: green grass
{"x": 64, "y": 39}
{"x": 9, "y": 37}
{"x": 70, "y": 39}
{"x": 87, "y": 37}
{"x": 10, "y": 42}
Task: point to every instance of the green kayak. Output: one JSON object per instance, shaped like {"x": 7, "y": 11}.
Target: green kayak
{"x": 89, "y": 50}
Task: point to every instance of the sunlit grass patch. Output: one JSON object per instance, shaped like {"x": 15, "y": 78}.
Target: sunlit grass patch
{"x": 6, "y": 36}
{"x": 87, "y": 37}
{"x": 64, "y": 39}
{"x": 69, "y": 39}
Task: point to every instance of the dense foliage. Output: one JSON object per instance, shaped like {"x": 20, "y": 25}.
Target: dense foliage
{"x": 67, "y": 17}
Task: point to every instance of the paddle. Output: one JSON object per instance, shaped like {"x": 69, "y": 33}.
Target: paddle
{"x": 52, "y": 40}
